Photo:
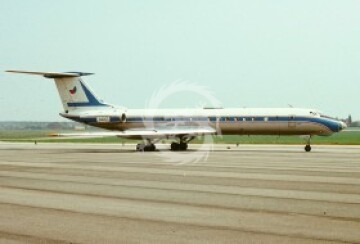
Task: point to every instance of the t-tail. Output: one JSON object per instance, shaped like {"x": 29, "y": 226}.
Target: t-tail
{"x": 74, "y": 92}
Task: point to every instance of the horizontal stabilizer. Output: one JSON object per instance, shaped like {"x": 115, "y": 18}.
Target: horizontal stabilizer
{"x": 51, "y": 74}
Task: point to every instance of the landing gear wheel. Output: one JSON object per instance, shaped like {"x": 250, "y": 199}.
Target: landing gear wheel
{"x": 145, "y": 148}
{"x": 179, "y": 146}
{"x": 140, "y": 147}
{"x": 183, "y": 146}
{"x": 307, "y": 148}
{"x": 175, "y": 146}
{"x": 152, "y": 147}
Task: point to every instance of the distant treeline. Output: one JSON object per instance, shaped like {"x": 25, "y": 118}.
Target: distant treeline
{"x": 15, "y": 125}
{"x": 355, "y": 124}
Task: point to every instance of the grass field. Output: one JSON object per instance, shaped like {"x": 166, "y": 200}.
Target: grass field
{"x": 343, "y": 138}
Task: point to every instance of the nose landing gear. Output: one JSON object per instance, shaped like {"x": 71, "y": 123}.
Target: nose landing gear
{"x": 308, "y": 147}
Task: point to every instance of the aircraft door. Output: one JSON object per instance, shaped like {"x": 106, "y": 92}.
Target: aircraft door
{"x": 291, "y": 122}
{"x": 123, "y": 118}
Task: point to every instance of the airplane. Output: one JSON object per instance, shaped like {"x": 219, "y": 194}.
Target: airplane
{"x": 151, "y": 125}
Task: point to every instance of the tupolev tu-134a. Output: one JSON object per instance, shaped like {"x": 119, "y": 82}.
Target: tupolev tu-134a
{"x": 151, "y": 125}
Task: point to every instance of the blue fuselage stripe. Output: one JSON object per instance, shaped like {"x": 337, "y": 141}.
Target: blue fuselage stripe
{"x": 331, "y": 124}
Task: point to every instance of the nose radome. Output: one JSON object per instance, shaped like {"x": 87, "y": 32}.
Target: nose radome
{"x": 342, "y": 125}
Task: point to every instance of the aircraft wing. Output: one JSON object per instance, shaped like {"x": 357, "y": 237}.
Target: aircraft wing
{"x": 156, "y": 133}
{"x": 168, "y": 132}
{"x": 84, "y": 134}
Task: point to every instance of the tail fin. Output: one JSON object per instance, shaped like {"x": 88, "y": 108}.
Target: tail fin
{"x": 74, "y": 93}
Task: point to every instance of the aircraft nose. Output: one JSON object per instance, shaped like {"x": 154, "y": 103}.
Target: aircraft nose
{"x": 342, "y": 125}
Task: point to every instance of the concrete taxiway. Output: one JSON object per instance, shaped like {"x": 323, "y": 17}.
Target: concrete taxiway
{"x": 78, "y": 193}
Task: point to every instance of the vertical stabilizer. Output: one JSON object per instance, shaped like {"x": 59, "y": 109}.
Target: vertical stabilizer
{"x": 74, "y": 93}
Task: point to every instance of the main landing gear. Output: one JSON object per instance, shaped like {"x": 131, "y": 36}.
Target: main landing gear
{"x": 182, "y": 146}
{"x": 150, "y": 147}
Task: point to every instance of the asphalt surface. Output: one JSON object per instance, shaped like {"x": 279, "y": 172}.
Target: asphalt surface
{"x": 78, "y": 193}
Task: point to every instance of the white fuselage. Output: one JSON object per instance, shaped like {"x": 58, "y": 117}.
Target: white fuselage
{"x": 236, "y": 121}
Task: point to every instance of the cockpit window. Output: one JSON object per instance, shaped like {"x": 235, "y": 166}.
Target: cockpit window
{"x": 327, "y": 117}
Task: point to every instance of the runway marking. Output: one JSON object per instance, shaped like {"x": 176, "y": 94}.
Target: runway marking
{"x": 252, "y": 203}
{"x": 234, "y": 190}
{"x": 157, "y": 231}
{"x": 10, "y": 237}
{"x": 304, "y": 226}
{"x": 341, "y": 180}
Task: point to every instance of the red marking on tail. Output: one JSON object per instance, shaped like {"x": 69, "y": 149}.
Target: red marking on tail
{"x": 73, "y": 91}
